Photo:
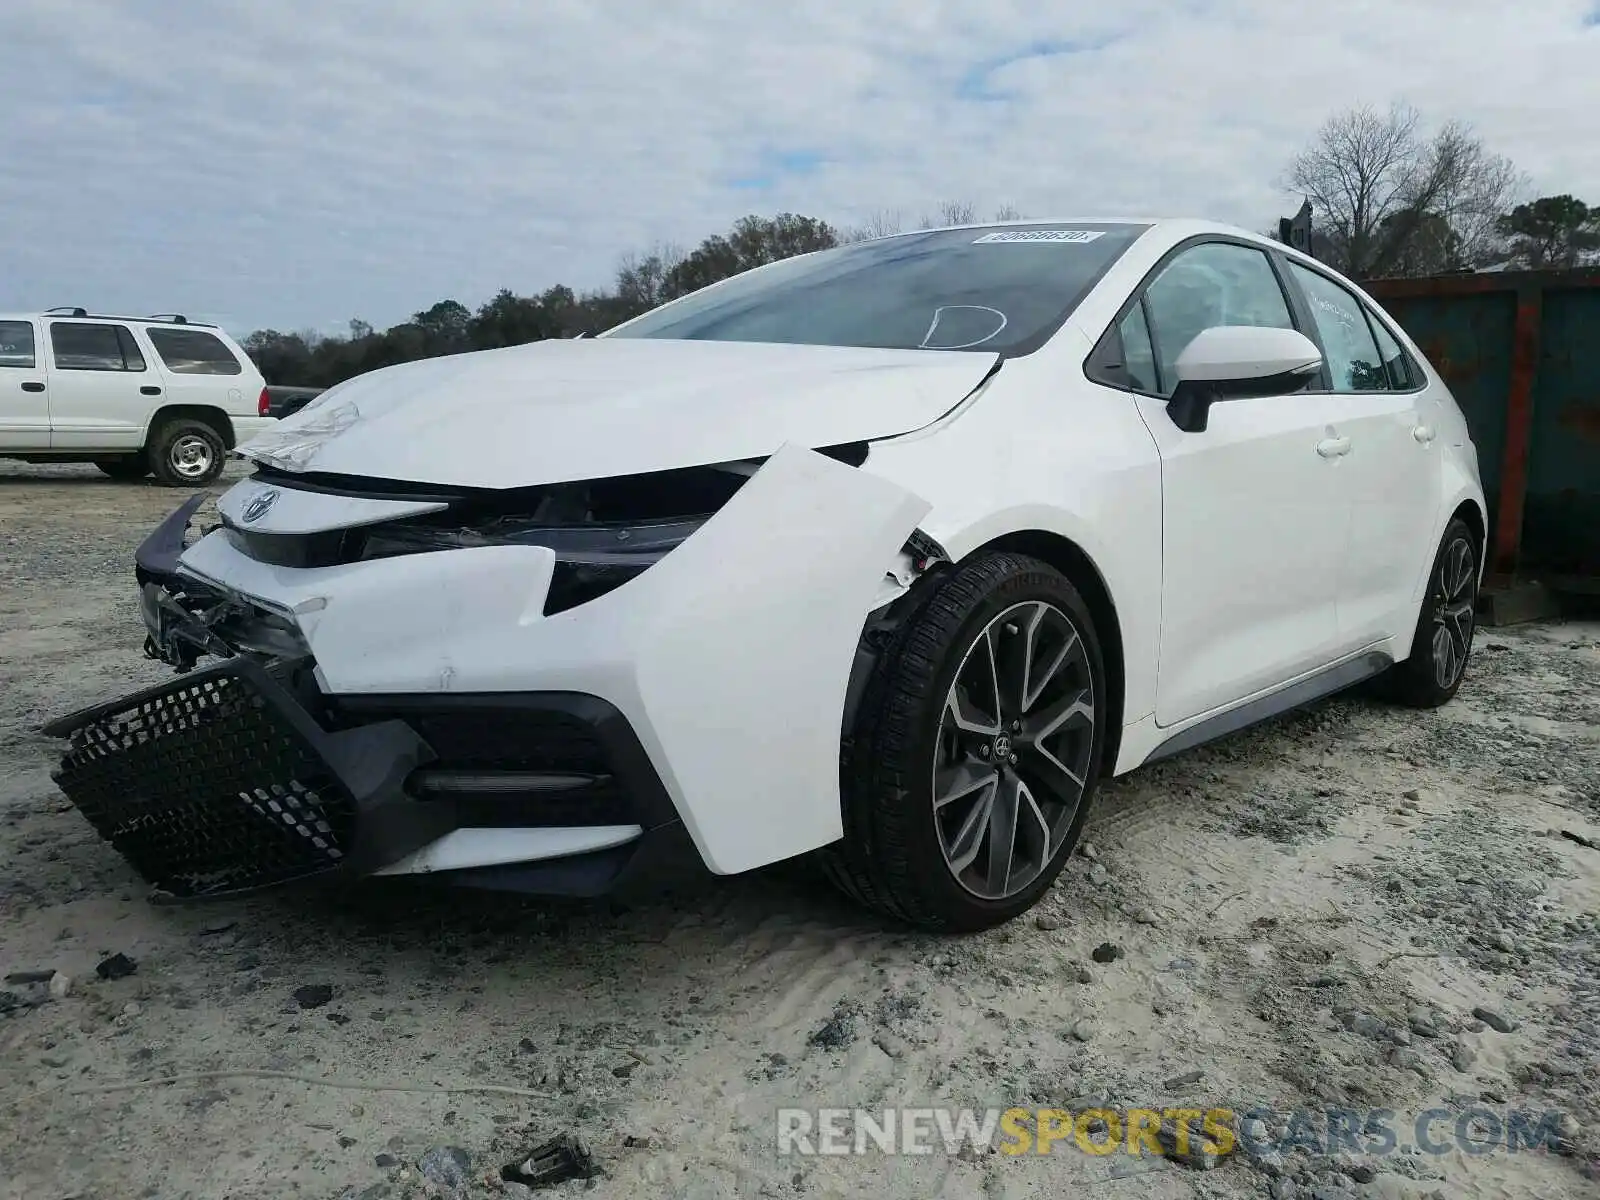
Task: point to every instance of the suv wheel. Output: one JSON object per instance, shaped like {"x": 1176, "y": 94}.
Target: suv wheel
{"x": 124, "y": 470}
{"x": 1443, "y": 641}
{"x": 185, "y": 452}
{"x": 974, "y": 757}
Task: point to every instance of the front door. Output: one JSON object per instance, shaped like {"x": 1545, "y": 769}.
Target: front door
{"x": 1255, "y": 508}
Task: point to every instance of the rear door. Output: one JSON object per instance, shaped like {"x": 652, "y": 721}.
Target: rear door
{"x": 24, "y": 391}
{"x": 200, "y": 369}
{"x": 101, "y": 388}
{"x": 1393, "y": 467}
{"x": 1254, "y": 514}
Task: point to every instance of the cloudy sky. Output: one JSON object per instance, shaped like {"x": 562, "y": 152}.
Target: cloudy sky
{"x": 295, "y": 163}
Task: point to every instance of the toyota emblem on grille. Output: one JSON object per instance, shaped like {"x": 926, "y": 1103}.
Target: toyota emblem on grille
{"x": 259, "y": 504}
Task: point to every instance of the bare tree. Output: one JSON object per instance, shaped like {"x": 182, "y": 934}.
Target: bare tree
{"x": 1392, "y": 199}
{"x": 883, "y": 223}
{"x": 951, "y": 212}
{"x": 641, "y": 278}
{"x": 1008, "y": 212}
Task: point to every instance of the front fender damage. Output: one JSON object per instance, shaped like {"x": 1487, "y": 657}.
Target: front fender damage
{"x": 744, "y": 639}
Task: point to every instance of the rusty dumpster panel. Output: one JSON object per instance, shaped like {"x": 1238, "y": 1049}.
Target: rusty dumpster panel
{"x": 1521, "y": 352}
{"x": 1561, "y": 530}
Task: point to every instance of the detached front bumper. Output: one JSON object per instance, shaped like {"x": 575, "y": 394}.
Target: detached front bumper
{"x": 224, "y": 782}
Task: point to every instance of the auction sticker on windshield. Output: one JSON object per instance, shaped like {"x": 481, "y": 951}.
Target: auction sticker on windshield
{"x": 1041, "y": 235}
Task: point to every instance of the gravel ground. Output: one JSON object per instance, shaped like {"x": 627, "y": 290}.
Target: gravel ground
{"x": 1356, "y": 907}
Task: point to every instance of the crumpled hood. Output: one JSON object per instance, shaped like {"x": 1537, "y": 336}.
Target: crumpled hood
{"x": 556, "y": 411}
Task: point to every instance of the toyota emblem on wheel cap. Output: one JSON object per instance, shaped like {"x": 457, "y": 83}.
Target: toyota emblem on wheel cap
{"x": 258, "y": 505}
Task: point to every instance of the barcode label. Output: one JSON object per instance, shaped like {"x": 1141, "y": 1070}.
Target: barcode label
{"x": 1041, "y": 235}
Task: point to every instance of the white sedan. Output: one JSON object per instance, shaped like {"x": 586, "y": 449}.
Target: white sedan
{"x": 888, "y": 552}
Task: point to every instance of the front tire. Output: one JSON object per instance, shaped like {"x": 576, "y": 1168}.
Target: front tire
{"x": 185, "y": 452}
{"x": 972, "y": 765}
{"x": 1432, "y": 675}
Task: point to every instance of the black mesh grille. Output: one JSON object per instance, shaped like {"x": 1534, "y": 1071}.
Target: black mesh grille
{"x": 206, "y": 788}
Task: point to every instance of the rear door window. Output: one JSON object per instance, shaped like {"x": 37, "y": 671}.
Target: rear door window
{"x": 1347, "y": 343}
{"x": 16, "y": 344}
{"x": 1396, "y": 362}
{"x": 84, "y": 347}
{"x": 193, "y": 352}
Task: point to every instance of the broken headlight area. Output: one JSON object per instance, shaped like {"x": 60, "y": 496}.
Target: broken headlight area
{"x": 185, "y": 620}
{"x": 603, "y": 532}
{"x": 591, "y": 559}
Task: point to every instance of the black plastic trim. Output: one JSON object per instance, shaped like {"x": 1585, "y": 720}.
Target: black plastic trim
{"x": 156, "y": 559}
{"x": 663, "y": 856}
{"x": 1324, "y": 683}
{"x": 629, "y": 762}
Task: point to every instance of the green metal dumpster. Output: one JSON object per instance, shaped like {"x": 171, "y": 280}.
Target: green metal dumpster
{"x": 1521, "y": 352}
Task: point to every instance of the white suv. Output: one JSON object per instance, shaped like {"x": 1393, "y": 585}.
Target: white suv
{"x": 133, "y": 395}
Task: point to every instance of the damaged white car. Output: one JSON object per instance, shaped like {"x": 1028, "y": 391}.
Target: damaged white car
{"x": 888, "y": 552}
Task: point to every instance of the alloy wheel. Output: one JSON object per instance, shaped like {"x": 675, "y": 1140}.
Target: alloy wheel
{"x": 190, "y": 456}
{"x": 1015, "y": 740}
{"x": 1454, "y": 601}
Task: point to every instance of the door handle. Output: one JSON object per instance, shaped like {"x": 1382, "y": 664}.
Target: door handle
{"x": 1424, "y": 433}
{"x": 1334, "y": 447}
{"x": 149, "y": 390}
{"x": 33, "y": 386}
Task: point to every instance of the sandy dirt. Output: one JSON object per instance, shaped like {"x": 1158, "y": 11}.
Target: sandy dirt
{"x": 1307, "y": 916}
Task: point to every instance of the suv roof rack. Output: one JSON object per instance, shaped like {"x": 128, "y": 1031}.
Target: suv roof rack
{"x": 67, "y": 310}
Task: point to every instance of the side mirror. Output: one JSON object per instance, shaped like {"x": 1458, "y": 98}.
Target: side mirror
{"x": 1232, "y": 362}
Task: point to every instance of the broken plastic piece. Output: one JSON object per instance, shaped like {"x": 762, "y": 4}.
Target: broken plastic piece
{"x": 559, "y": 1159}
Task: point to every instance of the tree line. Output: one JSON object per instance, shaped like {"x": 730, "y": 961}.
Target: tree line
{"x": 1388, "y": 198}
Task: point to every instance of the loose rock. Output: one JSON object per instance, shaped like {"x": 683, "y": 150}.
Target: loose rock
{"x": 1047, "y": 923}
{"x": 313, "y": 995}
{"x": 1106, "y": 952}
{"x": 1496, "y": 1021}
{"x": 117, "y": 966}
{"x": 1084, "y": 1030}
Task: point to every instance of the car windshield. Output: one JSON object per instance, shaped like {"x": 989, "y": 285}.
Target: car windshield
{"x": 994, "y": 290}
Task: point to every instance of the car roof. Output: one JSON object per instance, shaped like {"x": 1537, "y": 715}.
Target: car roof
{"x": 67, "y": 313}
{"x": 1176, "y": 228}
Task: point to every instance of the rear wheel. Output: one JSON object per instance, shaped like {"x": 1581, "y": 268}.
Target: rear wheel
{"x": 184, "y": 452}
{"x": 124, "y": 470}
{"x": 974, "y": 757}
{"x": 1443, "y": 641}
